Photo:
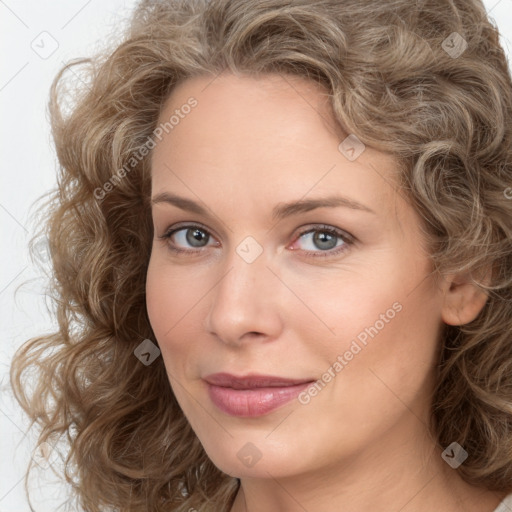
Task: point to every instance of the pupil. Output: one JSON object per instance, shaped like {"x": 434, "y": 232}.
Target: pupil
{"x": 324, "y": 240}
{"x": 196, "y": 237}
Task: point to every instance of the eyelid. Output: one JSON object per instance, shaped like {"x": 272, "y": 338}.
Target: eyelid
{"x": 348, "y": 239}
{"x": 328, "y": 228}
{"x": 186, "y": 224}
{"x": 171, "y": 230}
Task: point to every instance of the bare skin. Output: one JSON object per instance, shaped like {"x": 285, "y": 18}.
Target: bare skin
{"x": 361, "y": 443}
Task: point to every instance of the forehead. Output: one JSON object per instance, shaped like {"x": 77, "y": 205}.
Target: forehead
{"x": 251, "y": 110}
{"x": 284, "y": 90}
{"x": 274, "y": 132}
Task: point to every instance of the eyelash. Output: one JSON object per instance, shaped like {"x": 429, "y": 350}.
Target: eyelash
{"x": 321, "y": 228}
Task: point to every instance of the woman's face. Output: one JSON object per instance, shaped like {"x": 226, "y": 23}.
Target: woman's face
{"x": 294, "y": 258}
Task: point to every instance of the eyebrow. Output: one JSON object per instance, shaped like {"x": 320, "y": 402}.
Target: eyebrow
{"x": 279, "y": 212}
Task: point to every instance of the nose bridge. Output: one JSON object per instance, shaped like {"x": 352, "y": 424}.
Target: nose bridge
{"x": 244, "y": 300}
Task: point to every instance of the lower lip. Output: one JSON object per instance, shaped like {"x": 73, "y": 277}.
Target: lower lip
{"x": 253, "y": 402}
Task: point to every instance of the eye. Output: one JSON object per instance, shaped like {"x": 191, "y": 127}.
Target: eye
{"x": 188, "y": 238}
{"x": 320, "y": 240}
{"x": 323, "y": 240}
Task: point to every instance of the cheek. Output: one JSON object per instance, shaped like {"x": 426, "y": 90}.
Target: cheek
{"x": 386, "y": 341}
{"x": 366, "y": 387}
{"x": 171, "y": 294}
{"x": 164, "y": 307}
{"x": 174, "y": 302}
{"x": 391, "y": 369}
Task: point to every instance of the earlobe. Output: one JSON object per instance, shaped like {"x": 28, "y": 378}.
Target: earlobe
{"x": 463, "y": 301}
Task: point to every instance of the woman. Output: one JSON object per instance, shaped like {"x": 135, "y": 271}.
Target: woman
{"x": 282, "y": 242}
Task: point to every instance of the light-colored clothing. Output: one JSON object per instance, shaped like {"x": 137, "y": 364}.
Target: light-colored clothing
{"x": 505, "y": 505}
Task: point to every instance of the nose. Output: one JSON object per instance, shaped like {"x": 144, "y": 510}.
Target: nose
{"x": 245, "y": 304}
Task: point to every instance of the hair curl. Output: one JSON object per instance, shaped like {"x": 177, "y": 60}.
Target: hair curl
{"x": 447, "y": 119}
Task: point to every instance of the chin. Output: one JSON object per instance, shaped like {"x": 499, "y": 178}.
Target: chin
{"x": 242, "y": 458}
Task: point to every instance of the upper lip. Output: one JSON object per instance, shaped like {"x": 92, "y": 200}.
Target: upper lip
{"x": 251, "y": 381}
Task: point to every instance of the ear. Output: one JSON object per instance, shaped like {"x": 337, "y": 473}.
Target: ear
{"x": 463, "y": 300}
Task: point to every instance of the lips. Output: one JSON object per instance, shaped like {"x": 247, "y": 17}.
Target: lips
{"x": 252, "y": 395}
{"x": 227, "y": 380}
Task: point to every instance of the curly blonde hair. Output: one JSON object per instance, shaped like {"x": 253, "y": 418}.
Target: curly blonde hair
{"x": 426, "y": 82}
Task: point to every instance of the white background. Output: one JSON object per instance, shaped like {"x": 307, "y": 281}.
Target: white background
{"x": 29, "y": 31}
